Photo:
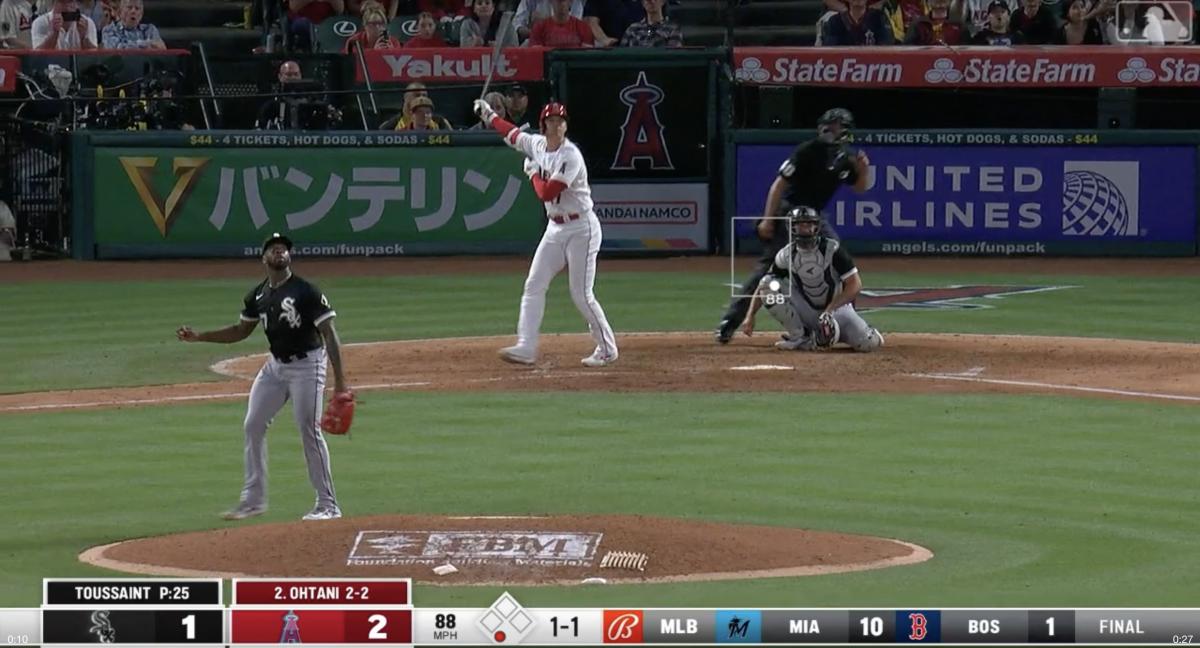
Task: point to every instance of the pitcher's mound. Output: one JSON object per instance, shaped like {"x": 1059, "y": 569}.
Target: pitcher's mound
{"x": 507, "y": 550}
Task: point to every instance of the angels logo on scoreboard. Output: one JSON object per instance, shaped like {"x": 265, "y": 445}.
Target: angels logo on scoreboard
{"x": 623, "y": 626}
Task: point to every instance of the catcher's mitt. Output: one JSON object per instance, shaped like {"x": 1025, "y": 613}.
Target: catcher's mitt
{"x": 339, "y": 415}
{"x": 828, "y": 331}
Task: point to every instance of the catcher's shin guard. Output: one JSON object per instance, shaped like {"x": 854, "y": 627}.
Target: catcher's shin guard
{"x": 779, "y": 305}
{"x": 873, "y": 341}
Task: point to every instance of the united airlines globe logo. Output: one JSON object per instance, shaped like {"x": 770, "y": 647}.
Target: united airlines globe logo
{"x": 1094, "y": 205}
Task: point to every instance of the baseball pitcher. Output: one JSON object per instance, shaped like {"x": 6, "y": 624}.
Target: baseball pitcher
{"x": 572, "y": 238}
{"x": 298, "y": 322}
{"x": 810, "y": 289}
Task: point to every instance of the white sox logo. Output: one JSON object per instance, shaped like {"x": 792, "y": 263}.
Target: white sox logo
{"x": 622, "y": 627}
{"x": 642, "y": 133}
{"x": 289, "y": 312}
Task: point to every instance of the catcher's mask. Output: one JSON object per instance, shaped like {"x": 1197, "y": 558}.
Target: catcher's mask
{"x": 552, "y": 109}
{"x": 835, "y": 125}
{"x": 806, "y": 227}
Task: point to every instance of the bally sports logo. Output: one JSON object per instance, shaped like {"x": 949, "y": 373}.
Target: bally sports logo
{"x": 520, "y": 548}
{"x": 623, "y": 626}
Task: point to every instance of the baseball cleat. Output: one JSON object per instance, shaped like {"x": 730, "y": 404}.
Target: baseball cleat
{"x": 243, "y": 511}
{"x": 516, "y": 355}
{"x": 598, "y": 359}
{"x": 323, "y": 513}
{"x": 725, "y": 331}
{"x": 796, "y": 344}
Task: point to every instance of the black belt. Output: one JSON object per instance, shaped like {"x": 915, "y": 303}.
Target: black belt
{"x": 290, "y": 359}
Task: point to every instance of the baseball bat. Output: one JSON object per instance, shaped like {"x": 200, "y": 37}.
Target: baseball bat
{"x": 505, "y": 23}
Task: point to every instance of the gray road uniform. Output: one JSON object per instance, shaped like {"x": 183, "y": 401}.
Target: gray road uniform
{"x": 812, "y": 278}
{"x": 295, "y": 370}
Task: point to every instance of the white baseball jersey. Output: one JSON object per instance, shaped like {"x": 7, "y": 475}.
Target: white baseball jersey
{"x": 564, "y": 165}
{"x": 68, "y": 36}
{"x": 16, "y": 20}
{"x": 817, "y": 273}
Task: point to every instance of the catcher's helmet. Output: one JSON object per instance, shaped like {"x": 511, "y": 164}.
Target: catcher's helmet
{"x": 552, "y": 109}
{"x": 806, "y": 239}
{"x": 838, "y": 116}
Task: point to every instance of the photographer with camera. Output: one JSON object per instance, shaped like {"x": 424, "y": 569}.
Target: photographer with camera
{"x": 292, "y": 111}
{"x": 814, "y": 172}
{"x": 64, "y": 28}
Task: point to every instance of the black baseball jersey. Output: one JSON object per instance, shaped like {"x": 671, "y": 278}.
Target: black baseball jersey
{"x": 814, "y": 172}
{"x": 289, "y": 314}
{"x": 817, "y": 274}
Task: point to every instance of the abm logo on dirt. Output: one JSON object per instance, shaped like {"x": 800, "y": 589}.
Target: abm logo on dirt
{"x": 522, "y": 548}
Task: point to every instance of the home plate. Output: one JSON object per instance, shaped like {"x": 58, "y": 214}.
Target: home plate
{"x": 763, "y": 368}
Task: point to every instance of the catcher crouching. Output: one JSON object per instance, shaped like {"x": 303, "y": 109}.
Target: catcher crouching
{"x": 810, "y": 289}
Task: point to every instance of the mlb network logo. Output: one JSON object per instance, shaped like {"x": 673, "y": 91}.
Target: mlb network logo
{"x": 623, "y": 626}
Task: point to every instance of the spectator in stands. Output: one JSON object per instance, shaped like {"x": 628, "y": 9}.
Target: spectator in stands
{"x": 858, "y": 25}
{"x": 428, "y": 34}
{"x": 608, "y": 19}
{"x": 480, "y": 27}
{"x": 273, "y": 115}
{"x": 303, "y": 15}
{"x": 561, "y": 30}
{"x": 8, "y": 232}
{"x": 16, "y": 18}
{"x": 998, "y": 29}
{"x": 64, "y": 28}
{"x": 413, "y": 93}
{"x": 530, "y": 12}
{"x": 1077, "y": 28}
{"x": 129, "y": 32}
{"x": 937, "y": 28}
{"x": 654, "y": 30}
{"x": 421, "y": 109}
{"x": 374, "y": 34}
{"x": 102, "y": 12}
{"x": 518, "y": 105}
{"x": 443, "y": 9}
{"x": 359, "y": 7}
{"x": 976, "y": 13}
{"x": 499, "y": 106}
{"x": 1034, "y": 23}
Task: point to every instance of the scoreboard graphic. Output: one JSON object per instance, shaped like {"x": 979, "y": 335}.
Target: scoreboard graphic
{"x": 380, "y": 612}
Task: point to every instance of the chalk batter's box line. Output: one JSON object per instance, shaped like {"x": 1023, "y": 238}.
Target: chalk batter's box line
{"x": 124, "y": 581}
{"x": 734, "y": 284}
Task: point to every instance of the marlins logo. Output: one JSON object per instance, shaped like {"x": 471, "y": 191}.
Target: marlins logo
{"x": 289, "y": 312}
{"x": 642, "y": 133}
{"x": 102, "y": 627}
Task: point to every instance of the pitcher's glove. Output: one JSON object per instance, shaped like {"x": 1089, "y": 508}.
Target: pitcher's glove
{"x": 828, "y": 331}
{"x": 339, "y": 415}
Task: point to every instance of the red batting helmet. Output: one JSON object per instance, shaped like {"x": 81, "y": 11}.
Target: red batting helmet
{"x": 552, "y": 109}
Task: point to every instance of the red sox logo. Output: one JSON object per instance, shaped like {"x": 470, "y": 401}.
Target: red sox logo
{"x": 642, "y": 132}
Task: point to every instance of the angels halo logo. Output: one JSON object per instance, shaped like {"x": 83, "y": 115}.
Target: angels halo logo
{"x": 642, "y": 133}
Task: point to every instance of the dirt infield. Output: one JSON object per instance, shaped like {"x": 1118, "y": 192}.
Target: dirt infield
{"x": 523, "y": 550}
{"x": 690, "y": 362}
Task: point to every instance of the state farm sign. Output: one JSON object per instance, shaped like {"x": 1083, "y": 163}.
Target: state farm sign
{"x": 912, "y": 67}
{"x": 453, "y": 64}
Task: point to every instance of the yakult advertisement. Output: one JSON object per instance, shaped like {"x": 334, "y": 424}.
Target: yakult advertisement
{"x": 1109, "y": 199}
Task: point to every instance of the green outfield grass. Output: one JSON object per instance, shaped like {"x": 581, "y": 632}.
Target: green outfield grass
{"x": 1025, "y": 500}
